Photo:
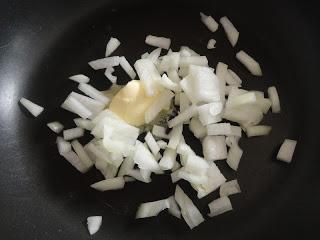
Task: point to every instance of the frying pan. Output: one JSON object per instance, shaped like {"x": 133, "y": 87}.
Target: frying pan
{"x": 44, "y": 42}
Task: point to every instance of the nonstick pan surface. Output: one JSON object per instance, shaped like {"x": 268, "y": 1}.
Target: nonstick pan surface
{"x": 44, "y": 42}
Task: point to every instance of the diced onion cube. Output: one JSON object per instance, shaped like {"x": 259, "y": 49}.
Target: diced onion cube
{"x": 230, "y": 30}
{"x": 219, "y": 206}
{"x": 274, "y": 97}
{"x": 151, "y": 209}
{"x": 94, "y": 223}
{"x": 214, "y": 148}
{"x": 229, "y": 188}
{"x": 286, "y": 150}
{"x": 210, "y": 23}
{"x": 55, "y": 126}
{"x": 109, "y": 184}
{"x": 211, "y": 44}
{"x": 160, "y": 42}
{"x": 112, "y": 45}
{"x": 249, "y": 63}
{"x": 261, "y": 130}
{"x": 33, "y": 108}
{"x": 80, "y": 78}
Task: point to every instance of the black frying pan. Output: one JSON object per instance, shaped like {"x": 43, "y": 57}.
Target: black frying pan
{"x": 43, "y": 42}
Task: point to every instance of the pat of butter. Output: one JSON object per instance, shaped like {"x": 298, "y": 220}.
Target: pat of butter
{"x": 131, "y": 103}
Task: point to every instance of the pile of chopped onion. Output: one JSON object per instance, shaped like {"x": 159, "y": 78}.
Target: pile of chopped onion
{"x": 184, "y": 88}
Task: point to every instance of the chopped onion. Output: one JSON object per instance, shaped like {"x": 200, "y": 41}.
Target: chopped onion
{"x": 249, "y": 63}
{"x": 148, "y": 75}
{"x": 55, "y": 126}
{"x": 168, "y": 160}
{"x": 151, "y": 209}
{"x": 144, "y": 158}
{"x": 80, "y": 78}
{"x": 175, "y": 136}
{"x": 109, "y": 184}
{"x": 229, "y": 188}
{"x": 112, "y": 45}
{"x": 160, "y": 42}
{"x": 274, "y": 97}
{"x": 105, "y": 62}
{"x": 173, "y": 75}
{"x": 286, "y": 150}
{"x": 136, "y": 174}
{"x": 190, "y": 212}
{"x": 184, "y": 116}
{"x": 214, "y": 148}
{"x": 126, "y": 166}
{"x": 154, "y": 55}
{"x": 184, "y": 102}
{"x": 127, "y": 67}
{"x": 129, "y": 179}
{"x": 33, "y": 108}
{"x": 75, "y": 161}
{"x": 261, "y": 130}
{"x": 230, "y": 30}
{"x": 108, "y": 74}
{"x": 193, "y": 60}
{"x": 94, "y": 106}
{"x": 83, "y": 156}
{"x": 219, "y": 206}
{"x": 210, "y": 113}
{"x": 223, "y": 129}
{"x": 196, "y": 127}
{"x": 72, "y": 133}
{"x": 168, "y": 83}
{"x": 63, "y": 145}
{"x": 152, "y": 144}
{"x": 211, "y": 44}
{"x": 235, "y": 77}
{"x": 234, "y": 156}
{"x": 210, "y": 23}
{"x": 93, "y": 92}
{"x": 159, "y": 132}
{"x": 162, "y": 144}
{"x": 145, "y": 55}
{"x": 187, "y": 52}
{"x": 160, "y": 103}
{"x": 94, "y": 223}
{"x": 84, "y": 123}
{"x": 73, "y": 105}
{"x": 173, "y": 207}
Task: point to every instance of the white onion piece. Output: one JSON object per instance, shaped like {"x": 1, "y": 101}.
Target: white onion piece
{"x": 224, "y": 75}
{"x": 229, "y": 188}
{"x": 196, "y": 165}
{"x": 112, "y": 45}
{"x": 144, "y": 158}
{"x": 159, "y": 132}
{"x": 245, "y": 116}
{"x": 173, "y": 207}
{"x": 73, "y": 105}
{"x": 63, "y": 145}
{"x": 94, "y": 223}
{"x": 211, "y": 44}
{"x": 103, "y": 167}
{"x": 94, "y": 106}
{"x": 170, "y": 61}
{"x": 210, "y": 113}
{"x": 158, "y": 105}
{"x": 152, "y": 144}
{"x": 154, "y": 55}
{"x": 196, "y": 127}
{"x": 193, "y": 60}
{"x": 177, "y": 98}
{"x": 83, "y": 156}
{"x": 162, "y": 144}
{"x": 214, "y": 148}
{"x": 109, "y": 184}
{"x": 234, "y": 156}
{"x": 173, "y": 75}
{"x": 157, "y": 158}
{"x": 175, "y": 136}
{"x": 148, "y": 75}
{"x": 231, "y": 32}
{"x": 105, "y": 62}
{"x": 236, "y": 78}
{"x": 145, "y": 55}
{"x": 168, "y": 160}
{"x": 219, "y": 206}
{"x": 108, "y": 74}
{"x": 190, "y": 212}
{"x": 210, "y": 23}
{"x": 75, "y": 161}
{"x": 55, "y": 126}
{"x": 126, "y": 166}
{"x": 192, "y": 178}
{"x": 167, "y": 83}
{"x": 33, "y": 108}
{"x": 184, "y": 150}
{"x": 225, "y": 129}
{"x": 80, "y": 78}
{"x": 286, "y": 150}
{"x": 129, "y": 179}
{"x": 72, "y": 133}
{"x": 214, "y": 180}
{"x": 184, "y": 116}
{"x": 184, "y": 102}
{"x": 249, "y": 63}
{"x": 187, "y": 52}
{"x": 261, "y": 130}
{"x": 176, "y": 166}
{"x": 231, "y": 140}
{"x": 175, "y": 175}
{"x": 84, "y": 123}
{"x": 274, "y": 97}
{"x": 151, "y": 209}
{"x": 127, "y": 67}
{"x": 93, "y": 92}
{"x": 160, "y": 42}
